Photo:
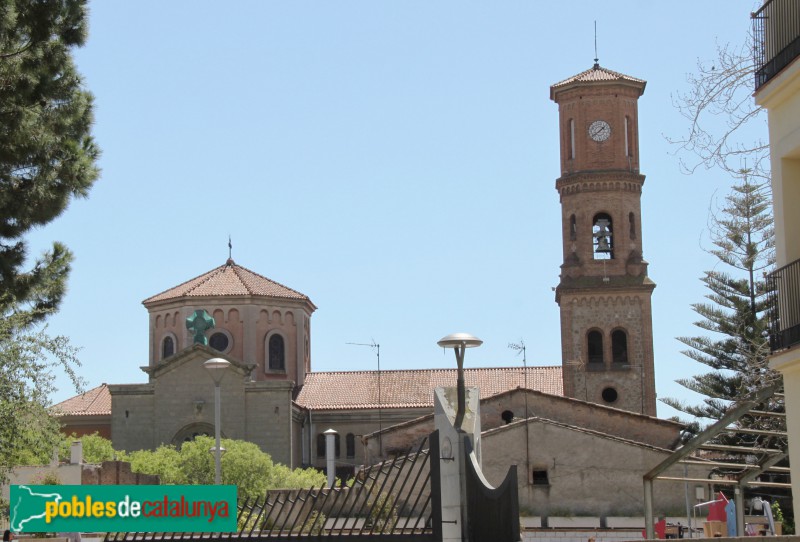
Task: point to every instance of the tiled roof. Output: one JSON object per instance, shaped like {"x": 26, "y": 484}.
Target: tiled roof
{"x": 95, "y": 402}
{"x": 596, "y": 74}
{"x": 414, "y": 388}
{"x": 228, "y": 280}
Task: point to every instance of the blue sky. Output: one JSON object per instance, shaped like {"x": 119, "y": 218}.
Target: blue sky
{"x": 395, "y": 161}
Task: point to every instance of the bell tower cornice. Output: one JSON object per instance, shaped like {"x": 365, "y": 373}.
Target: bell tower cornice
{"x": 598, "y": 181}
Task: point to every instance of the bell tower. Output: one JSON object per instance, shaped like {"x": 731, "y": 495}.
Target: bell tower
{"x": 604, "y": 293}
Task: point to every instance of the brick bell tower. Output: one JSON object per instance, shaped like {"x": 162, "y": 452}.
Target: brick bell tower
{"x": 604, "y": 293}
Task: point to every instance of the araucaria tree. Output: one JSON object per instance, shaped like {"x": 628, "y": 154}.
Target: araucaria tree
{"x": 736, "y": 311}
{"x": 47, "y": 154}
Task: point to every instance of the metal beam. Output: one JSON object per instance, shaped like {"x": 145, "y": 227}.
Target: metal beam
{"x": 733, "y": 414}
{"x": 767, "y": 413}
{"x": 701, "y": 463}
{"x": 738, "y": 498}
{"x": 649, "y": 520}
{"x": 764, "y": 432}
{"x": 717, "y": 464}
{"x": 721, "y": 481}
{"x": 740, "y": 449}
{"x": 770, "y": 462}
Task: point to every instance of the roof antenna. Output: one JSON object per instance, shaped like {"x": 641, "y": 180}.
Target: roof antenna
{"x": 596, "y": 60}
{"x": 377, "y": 347}
{"x": 230, "y": 250}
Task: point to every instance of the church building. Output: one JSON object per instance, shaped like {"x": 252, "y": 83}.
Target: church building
{"x": 601, "y": 397}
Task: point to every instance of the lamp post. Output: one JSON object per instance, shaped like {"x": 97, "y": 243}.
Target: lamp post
{"x": 216, "y": 367}
{"x": 459, "y": 342}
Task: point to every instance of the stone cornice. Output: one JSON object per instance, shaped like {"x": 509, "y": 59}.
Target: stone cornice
{"x": 600, "y": 181}
{"x": 264, "y": 302}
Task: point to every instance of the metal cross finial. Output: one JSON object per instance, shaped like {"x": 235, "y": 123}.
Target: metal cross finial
{"x": 230, "y": 247}
{"x": 596, "y": 59}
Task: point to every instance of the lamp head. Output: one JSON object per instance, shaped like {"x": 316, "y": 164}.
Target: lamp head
{"x": 216, "y": 367}
{"x": 455, "y": 340}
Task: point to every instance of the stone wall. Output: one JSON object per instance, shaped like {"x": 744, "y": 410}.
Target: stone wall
{"x": 615, "y": 422}
{"x": 267, "y": 414}
{"x": 579, "y": 472}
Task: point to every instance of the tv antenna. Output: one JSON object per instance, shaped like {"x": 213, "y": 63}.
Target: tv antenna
{"x": 520, "y": 348}
{"x": 377, "y": 348}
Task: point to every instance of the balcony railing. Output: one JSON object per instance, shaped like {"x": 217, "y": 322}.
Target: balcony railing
{"x": 784, "y": 307}
{"x": 776, "y": 36}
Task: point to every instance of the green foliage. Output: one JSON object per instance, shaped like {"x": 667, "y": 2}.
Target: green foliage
{"x": 47, "y": 478}
{"x": 28, "y": 433}
{"x": 96, "y": 449}
{"x": 736, "y": 312}
{"x": 48, "y": 155}
{"x": 243, "y": 465}
{"x": 382, "y": 513}
{"x": 164, "y": 461}
{"x": 314, "y": 524}
{"x": 777, "y": 513}
{"x": 4, "y": 509}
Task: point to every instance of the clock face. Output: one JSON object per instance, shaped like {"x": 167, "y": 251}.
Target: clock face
{"x": 599, "y": 130}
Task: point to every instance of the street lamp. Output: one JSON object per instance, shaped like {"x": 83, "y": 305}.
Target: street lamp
{"x": 216, "y": 367}
{"x": 460, "y": 342}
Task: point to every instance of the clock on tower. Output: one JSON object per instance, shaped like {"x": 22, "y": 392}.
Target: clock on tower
{"x": 604, "y": 293}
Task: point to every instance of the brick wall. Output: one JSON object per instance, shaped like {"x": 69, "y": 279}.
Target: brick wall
{"x": 115, "y": 473}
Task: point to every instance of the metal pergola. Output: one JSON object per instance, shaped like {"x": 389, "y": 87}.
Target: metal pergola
{"x": 768, "y": 457}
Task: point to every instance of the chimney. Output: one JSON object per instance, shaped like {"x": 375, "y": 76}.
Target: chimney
{"x": 76, "y": 453}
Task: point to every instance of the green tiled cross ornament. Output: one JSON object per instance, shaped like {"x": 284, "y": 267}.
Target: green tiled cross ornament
{"x": 198, "y": 324}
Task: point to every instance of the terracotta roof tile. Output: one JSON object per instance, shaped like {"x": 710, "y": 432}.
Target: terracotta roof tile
{"x": 596, "y": 74}
{"x": 228, "y": 280}
{"x": 414, "y": 388}
{"x": 95, "y": 402}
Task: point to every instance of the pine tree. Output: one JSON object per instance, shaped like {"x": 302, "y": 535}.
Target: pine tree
{"x": 737, "y": 312}
{"x": 47, "y": 154}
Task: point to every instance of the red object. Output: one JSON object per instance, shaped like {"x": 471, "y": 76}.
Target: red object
{"x": 716, "y": 510}
{"x": 660, "y": 528}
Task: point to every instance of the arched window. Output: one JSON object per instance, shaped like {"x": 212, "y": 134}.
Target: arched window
{"x": 603, "y": 237}
{"x": 276, "y": 353}
{"x": 627, "y": 137}
{"x": 350, "y": 442}
{"x": 571, "y": 139}
{"x": 167, "y": 347}
{"x": 192, "y": 431}
{"x": 595, "y": 346}
{"x": 619, "y": 346}
{"x": 573, "y": 228}
{"x": 337, "y": 441}
{"x": 321, "y": 445}
{"x": 632, "y": 221}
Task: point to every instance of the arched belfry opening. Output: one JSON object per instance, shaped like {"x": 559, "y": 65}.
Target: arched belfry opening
{"x": 619, "y": 347}
{"x": 603, "y": 237}
{"x": 594, "y": 340}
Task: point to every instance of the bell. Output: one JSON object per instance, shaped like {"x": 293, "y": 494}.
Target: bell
{"x": 603, "y": 236}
